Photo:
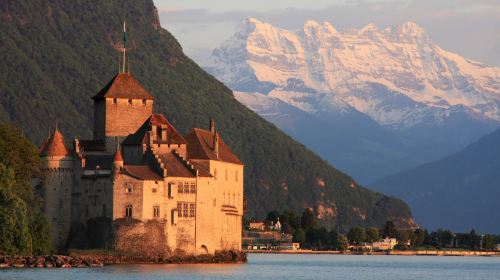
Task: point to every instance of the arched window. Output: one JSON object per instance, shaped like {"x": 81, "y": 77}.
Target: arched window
{"x": 128, "y": 210}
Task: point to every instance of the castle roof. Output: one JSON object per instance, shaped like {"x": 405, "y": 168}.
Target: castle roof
{"x": 201, "y": 146}
{"x": 118, "y": 155}
{"x": 142, "y": 172}
{"x": 174, "y": 166}
{"x": 141, "y": 136}
{"x": 123, "y": 85}
{"x": 54, "y": 145}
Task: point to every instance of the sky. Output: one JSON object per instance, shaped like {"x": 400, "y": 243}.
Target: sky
{"x": 470, "y": 28}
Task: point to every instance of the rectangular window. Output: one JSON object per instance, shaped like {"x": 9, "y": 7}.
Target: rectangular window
{"x": 130, "y": 102}
{"x": 193, "y": 187}
{"x": 192, "y": 210}
{"x": 180, "y": 187}
{"x": 185, "y": 210}
{"x": 129, "y": 189}
{"x": 156, "y": 211}
{"x": 155, "y": 190}
{"x": 114, "y": 101}
{"x": 179, "y": 209}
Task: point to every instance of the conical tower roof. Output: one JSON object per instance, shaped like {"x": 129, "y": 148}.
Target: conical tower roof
{"x": 118, "y": 155}
{"x": 54, "y": 145}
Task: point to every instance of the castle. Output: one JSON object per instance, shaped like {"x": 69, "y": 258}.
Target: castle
{"x": 139, "y": 185}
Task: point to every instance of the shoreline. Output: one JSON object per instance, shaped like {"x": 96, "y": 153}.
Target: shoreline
{"x": 93, "y": 260}
{"x": 455, "y": 253}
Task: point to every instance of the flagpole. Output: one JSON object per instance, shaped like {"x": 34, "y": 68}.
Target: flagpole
{"x": 124, "y": 46}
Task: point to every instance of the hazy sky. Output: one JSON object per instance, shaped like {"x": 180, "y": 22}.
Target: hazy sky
{"x": 468, "y": 27}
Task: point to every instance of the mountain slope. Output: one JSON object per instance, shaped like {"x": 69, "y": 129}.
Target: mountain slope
{"x": 396, "y": 76}
{"x": 459, "y": 192}
{"x": 55, "y": 55}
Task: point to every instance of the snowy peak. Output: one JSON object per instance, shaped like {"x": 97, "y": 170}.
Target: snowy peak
{"x": 365, "y": 69}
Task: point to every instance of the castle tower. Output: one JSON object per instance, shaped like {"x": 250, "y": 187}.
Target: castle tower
{"x": 57, "y": 186}
{"x": 120, "y": 108}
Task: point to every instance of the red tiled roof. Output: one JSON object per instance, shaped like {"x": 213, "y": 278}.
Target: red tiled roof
{"x": 142, "y": 172}
{"x": 201, "y": 146}
{"x": 202, "y": 170}
{"x": 174, "y": 166}
{"x": 123, "y": 85}
{"x": 54, "y": 146}
{"x": 141, "y": 136}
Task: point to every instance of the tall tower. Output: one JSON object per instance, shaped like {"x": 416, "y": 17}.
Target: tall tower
{"x": 121, "y": 107}
{"x": 57, "y": 186}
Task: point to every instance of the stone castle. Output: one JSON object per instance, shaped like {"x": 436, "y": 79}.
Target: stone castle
{"x": 139, "y": 185}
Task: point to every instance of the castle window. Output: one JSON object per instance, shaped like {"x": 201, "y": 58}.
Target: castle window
{"x": 129, "y": 189}
{"x": 104, "y": 210}
{"x": 192, "y": 210}
{"x": 130, "y": 102}
{"x": 156, "y": 211}
{"x": 115, "y": 101}
{"x": 144, "y": 102}
{"x": 179, "y": 209}
{"x": 193, "y": 187}
{"x": 155, "y": 190}
{"x": 185, "y": 210}
{"x": 128, "y": 210}
{"x": 180, "y": 187}
{"x": 186, "y": 187}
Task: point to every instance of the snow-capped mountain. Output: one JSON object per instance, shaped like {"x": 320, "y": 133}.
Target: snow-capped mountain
{"x": 396, "y": 76}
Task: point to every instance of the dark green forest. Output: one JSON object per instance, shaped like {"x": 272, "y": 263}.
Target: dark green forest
{"x": 55, "y": 55}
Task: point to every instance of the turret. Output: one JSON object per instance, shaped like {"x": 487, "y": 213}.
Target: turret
{"x": 212, "y": 125}
{"x": 57, "y": 185}
{"x": 118, "y": 161}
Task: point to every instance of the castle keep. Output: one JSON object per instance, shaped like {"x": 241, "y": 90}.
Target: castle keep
{"x": 139, "y": 185}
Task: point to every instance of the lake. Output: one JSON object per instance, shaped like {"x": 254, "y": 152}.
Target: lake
{"x": 276, "y": 266}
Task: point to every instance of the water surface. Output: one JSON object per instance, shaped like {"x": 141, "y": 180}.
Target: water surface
{"x": 290, "y": 267}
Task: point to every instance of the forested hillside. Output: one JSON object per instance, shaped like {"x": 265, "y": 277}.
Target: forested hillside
{"x": 55, "y": 55}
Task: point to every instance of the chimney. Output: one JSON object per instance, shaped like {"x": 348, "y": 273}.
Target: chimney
{"x": 164, "y": 133}
{"x": 216, "y": 144}
{"x": 212, "y": 124}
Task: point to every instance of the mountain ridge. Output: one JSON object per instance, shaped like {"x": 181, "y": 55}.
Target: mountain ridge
{"x": 396, "y": 76}
{"x": 458, "y": 192}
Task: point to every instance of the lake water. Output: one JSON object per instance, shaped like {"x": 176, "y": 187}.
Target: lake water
{"x": 272, "y": 266}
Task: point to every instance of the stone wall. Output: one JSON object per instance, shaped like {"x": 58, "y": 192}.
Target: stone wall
{"x": 126, "y": 115}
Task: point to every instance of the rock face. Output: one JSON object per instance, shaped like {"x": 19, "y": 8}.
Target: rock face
{"x": 395, "y": 76}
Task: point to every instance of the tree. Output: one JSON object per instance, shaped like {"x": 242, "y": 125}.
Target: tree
{"x": 23, "y": 227}
{"x": 488, "y": 242}
{"x": 356, "y": 235}
{"x": 390, "y": 230}
{"x": 272, "y": 216}
{"x": 372, "y": 235}
{"x": 308, "y": 220}
{"x": 418, "y": 238}
{"x": 299, "y": 236}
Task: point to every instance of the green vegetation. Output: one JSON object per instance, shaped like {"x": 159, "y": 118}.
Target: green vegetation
{"x": 23, "y": 227}
{"x": 316, "y": 237}
{"x": 55, "y": 55}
